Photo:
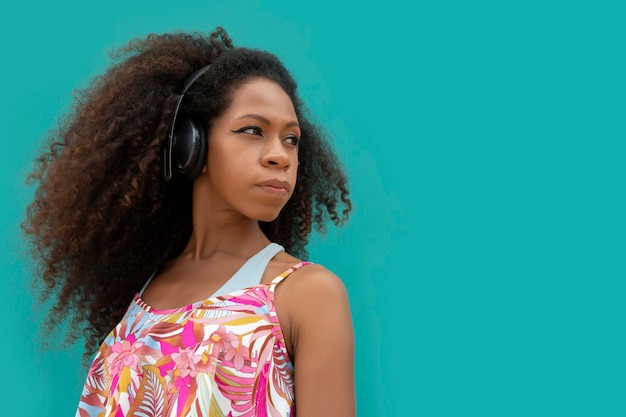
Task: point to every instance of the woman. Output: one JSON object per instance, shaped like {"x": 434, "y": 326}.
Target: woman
{"x": 174, "y": 206}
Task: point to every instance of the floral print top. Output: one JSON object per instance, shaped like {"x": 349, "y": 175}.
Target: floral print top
{"x": 224, "y": 356}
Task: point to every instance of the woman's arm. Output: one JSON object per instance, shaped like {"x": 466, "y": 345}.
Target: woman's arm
{"x": 316, "y": 308}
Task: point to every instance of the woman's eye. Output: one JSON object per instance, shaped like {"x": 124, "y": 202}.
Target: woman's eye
{"x": 250, "y": 130}
{"x": 292, "y": 140}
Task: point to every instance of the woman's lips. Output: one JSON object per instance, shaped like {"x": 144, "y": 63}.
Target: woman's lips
{"x": 276, "y": 187}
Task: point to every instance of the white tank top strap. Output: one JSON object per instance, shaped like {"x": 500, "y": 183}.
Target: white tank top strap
{"x": 251, "y": 272}
{"x": 248, "y": 275}
{"x": 146, "y": 284}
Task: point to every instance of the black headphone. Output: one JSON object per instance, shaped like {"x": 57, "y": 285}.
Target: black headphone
{"x": 187, "y": 144}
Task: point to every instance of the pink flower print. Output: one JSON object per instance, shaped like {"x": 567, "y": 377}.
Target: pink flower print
{"x": 186, "y": 360}
{"x": 185, "y": 364}
{"x": 190, "y": 363}
{"x": 229, "y": 344}
{"x": 123, "y": 356}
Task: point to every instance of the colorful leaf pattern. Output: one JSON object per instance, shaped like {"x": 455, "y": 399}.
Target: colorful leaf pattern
{"x": 220, "y": 357}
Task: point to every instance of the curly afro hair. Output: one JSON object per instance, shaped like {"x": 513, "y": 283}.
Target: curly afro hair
{"x": 103, "y": 219}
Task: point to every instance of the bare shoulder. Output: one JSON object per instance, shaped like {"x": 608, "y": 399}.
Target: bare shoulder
{"x": 314, "y": 281}
{"x": 311, "y": 297}
{"x": 314, "y": 314}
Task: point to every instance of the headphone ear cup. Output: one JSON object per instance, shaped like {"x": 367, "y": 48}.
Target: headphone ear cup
{"x": 189, "y": 147}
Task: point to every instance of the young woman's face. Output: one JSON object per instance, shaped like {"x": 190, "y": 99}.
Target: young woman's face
{"x": 253, "y": 152}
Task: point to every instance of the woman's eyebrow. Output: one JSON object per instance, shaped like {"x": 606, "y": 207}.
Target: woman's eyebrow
{"x": 266, "y": 120}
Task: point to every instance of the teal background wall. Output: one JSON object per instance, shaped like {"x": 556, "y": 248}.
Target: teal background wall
{"x": 485, "y": 142}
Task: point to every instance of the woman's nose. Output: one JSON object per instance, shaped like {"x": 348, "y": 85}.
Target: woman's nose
{"x": 275, "y": 154}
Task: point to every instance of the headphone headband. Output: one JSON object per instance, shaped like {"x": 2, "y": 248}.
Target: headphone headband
{"x": 167, "y": 157}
